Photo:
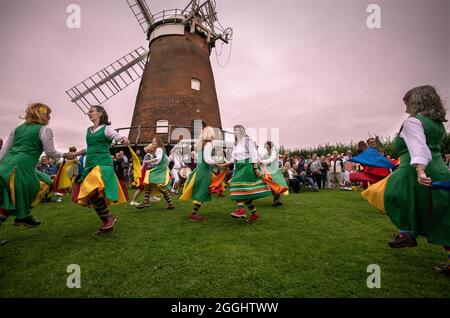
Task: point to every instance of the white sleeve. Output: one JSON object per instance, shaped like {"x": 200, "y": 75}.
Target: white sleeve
{"x": 207, "y": 151}
{"x": 414, "y": 136}
{"x": 8, "y": 144}
{"x": 111, "y": 134}
{"x": 158, "y": 155}
{"x": 46, "y": 136}
{"x": 233, "y": 155}
{"x": 273, "y": 157}
{"x": 253, "y": 153}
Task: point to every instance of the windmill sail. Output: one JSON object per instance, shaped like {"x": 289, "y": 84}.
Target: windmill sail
{"x": 109, "y": 81}
{"x": 141, "y": 13}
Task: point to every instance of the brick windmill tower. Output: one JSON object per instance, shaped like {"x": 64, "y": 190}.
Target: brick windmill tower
{"x": 177, "y": 90}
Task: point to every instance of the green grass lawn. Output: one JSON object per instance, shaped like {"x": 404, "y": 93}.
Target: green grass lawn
{"x": 315, "y": 245}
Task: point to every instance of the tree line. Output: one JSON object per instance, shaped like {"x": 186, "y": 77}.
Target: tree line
{"x": 383, "y": 143}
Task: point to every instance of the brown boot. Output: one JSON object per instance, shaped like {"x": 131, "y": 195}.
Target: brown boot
{"x": 197, "y": 217}
{"x": 400, "y": 241}
{"x": 107, "y": 226}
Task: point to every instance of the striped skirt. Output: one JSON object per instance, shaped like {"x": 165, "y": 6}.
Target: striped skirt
{"x": 245, "y": 185}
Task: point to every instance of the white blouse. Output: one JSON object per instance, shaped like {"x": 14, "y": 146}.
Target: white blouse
{"x": 414, "y": 136}
{"x": 46, "y": 137}
{"x": 207, "y": 154}
{"x": 158, "y": 156}
{"x": 269, "y": 159}
{"x": 245, "y": 149}
{"x": 290, "y": 174}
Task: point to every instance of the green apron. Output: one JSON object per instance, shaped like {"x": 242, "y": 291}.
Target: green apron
{"x": 412, "y": 206}
{"x": 158, "y": 174}
{"x": 97, "y": 154}
{"x": 21, "y": 158}
{"x": 202, "y": 179}
{"x": 275, "y": 173}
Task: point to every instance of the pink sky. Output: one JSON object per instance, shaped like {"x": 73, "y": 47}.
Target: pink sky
{"x": 310, "y": 68}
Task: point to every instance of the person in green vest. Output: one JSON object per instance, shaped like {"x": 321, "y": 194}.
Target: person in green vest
{"x": 100, "y": 187}
{"x": 157, "y": 179}
{"x": 406, "y": 195}
{"x": 196, "y": 188}
{"x": 22, "y": 186}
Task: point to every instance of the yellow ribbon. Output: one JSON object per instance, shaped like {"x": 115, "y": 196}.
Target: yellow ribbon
{"x": 136, "y": 166}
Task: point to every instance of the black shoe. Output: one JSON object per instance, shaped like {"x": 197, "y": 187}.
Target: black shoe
{"x": 443, "y": 269}
{"x": 277, "y": 203}
{"x": 29, "y": 221}
{"x": 403, "y": 241}
{"x": 3, "y": 242}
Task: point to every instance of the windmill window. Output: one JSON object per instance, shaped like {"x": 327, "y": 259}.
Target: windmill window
{"x": 162, "y": 126}
{"x": 195, "y": 84}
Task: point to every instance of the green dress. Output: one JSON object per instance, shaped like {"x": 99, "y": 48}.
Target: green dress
{"x": 412, "y": 206}
{"x": 196, "y": 187}
{"x": 274, "y": 172}
{"x": 98, "y": 155}
{"x": 159, "y": 174}
{"x": 20, "y": 162}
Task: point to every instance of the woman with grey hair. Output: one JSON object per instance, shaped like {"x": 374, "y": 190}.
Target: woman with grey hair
{"x": 406, "y": 195}
{"x": 246, "y": 185}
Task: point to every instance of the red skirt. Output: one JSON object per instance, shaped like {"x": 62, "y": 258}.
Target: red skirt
{"x": 365, "y": 178}
{"x": 141, "y": 179}
{"x": 123, "y": 185}
{"x": 75, "y": 191}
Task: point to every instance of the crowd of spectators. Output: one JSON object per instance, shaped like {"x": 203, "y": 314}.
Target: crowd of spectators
{"x": 310, "y": 172}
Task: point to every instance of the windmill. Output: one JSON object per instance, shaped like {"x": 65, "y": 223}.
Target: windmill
{"x": 177, "y": 85}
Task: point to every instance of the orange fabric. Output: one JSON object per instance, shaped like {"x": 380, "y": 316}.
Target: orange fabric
{"x": 217, "y": 180}
{"x": 274, "y": 187}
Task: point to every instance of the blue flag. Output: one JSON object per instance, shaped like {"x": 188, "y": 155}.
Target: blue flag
{"x": 441, "y": 185}
{"x": 372, "y": 157}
